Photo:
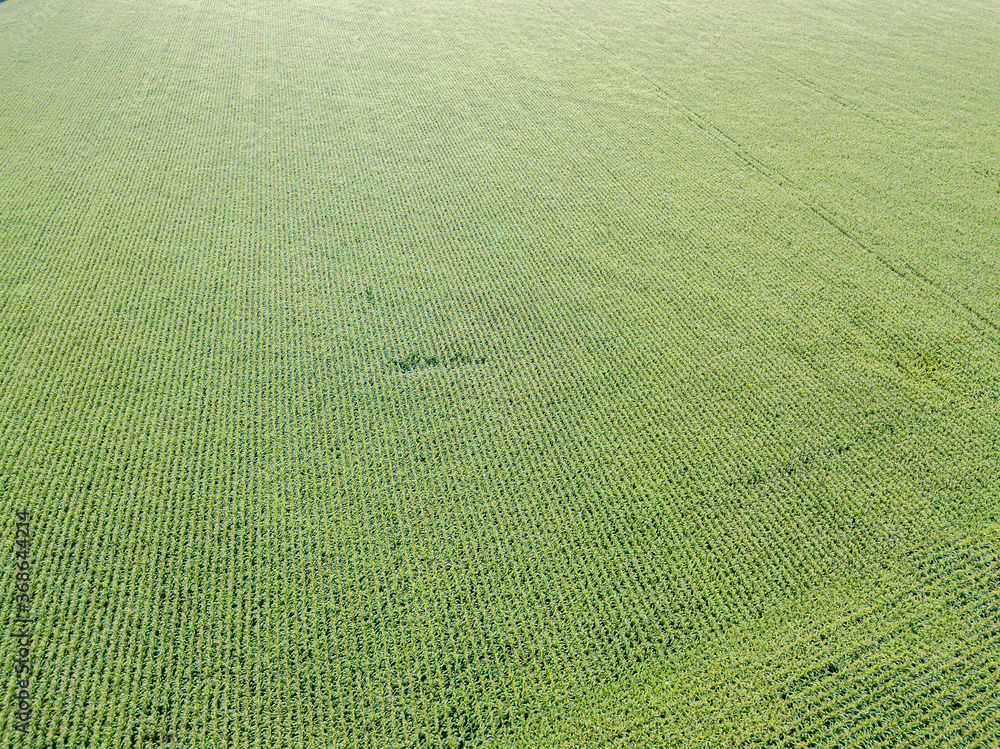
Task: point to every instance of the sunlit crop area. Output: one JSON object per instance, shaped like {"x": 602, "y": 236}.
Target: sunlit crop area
{"x": 530, "y": 374}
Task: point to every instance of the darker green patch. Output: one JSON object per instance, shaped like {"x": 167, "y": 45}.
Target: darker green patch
{"x": 928, "y": 364}
{"x": 987, "y": 173}
{"x": 811, "y": 458}
{"x": 824, "y": 455}
{"x": 926, "y": 368}
{"x": 418, "y": 361}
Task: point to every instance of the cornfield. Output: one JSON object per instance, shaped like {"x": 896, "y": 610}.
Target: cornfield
{"x": 501, "y": 374}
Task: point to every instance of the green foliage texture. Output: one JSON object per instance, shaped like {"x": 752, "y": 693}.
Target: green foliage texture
{"x": 515, "y": 373}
